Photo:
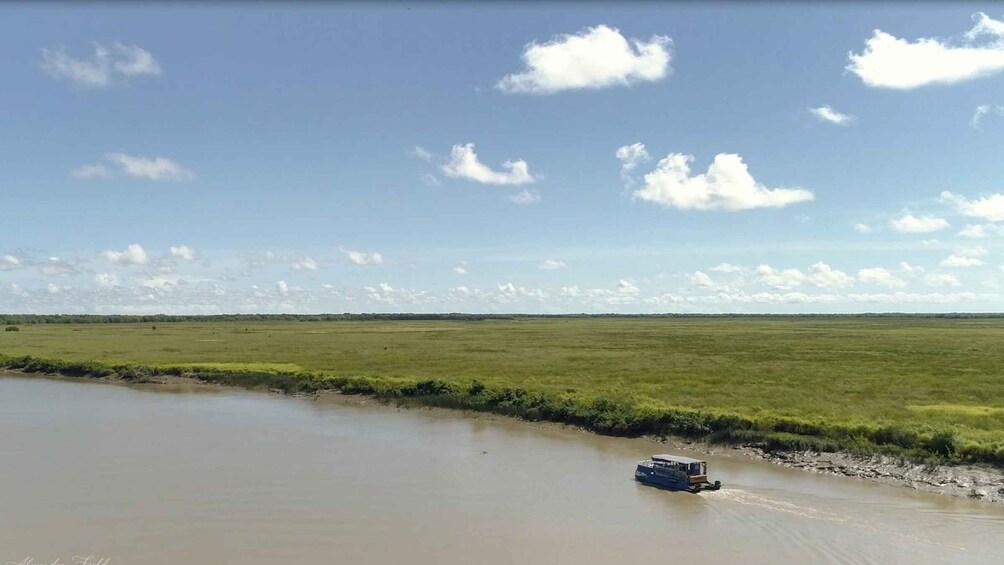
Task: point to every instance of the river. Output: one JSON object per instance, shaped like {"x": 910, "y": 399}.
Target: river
{"x": 138, "y": 474}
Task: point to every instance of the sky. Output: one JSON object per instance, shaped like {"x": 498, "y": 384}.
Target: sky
{"x": 534, "y": 158}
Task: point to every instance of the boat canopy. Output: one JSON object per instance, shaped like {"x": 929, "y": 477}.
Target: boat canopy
{"x": 675, "y": 459}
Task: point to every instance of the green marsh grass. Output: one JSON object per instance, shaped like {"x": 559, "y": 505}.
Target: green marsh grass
{"x": 915, "y": 386}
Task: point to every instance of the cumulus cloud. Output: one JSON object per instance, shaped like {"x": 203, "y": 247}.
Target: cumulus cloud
{"x": 702, "y": 280}
{"x": 726, "y": 268}
{"x": 282, "y": 288}
{"x": 464, "y": 164}
{"x": 305, "y": 264}
{"x": 967, "y": 257}
{"x": 824, "y": 276}
{"x": 862, "y": 228}
{"x": 552, "y": 265}
{"x": 107, "y": 66}
{"x": 914, "y": 224}
{"x": 183, "y": 252}
{"x": 626, "y": 287}
{"x": 525, "y": 196}
{"x": 727, "y": 185}
{"x": 10, "y": 263}
{"x": 596, "y": 57}
{"x": 881, "y": 277}
{"x": 632, "y": 155}
{"x": 827, "y": 114}
{"x": 961, "y": 261}
{"x": 155, "y": 168}
{"x": 134, "y": 254}
{"x": 106, "y": 280}
{"x": 461, "y": 269}
{"x": 986, "y": 207}
{"x": 783, "y": 279}
{"x": 941, "y": 279}
{"x": 362, "y": 257}
{"x": 892, "y": 62}
{"x": 979, "y": 231}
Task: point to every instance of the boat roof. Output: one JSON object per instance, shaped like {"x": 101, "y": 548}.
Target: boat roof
{"x": 675, "y": 459}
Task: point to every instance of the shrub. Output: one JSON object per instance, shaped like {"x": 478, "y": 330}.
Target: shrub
{"x": 12, "y": 329}
{"x": 943, "y": 442}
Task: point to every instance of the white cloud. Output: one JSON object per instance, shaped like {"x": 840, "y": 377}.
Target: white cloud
{"x": 824, "y": 276}
{"x": 727, "y": 185}
{"x": 10, "y": 263}
{"x": 157, "y": 168}
{"x": 891, "y": 62}
{"x": 987, "y": 207}
{"x": 627, "y": 287}
{"x": 910, "y": 269}
{"x": 305, "y": 264}
{"x": 183, "y": 252}
{"x": 631, "y": 156}
{"x": 422, "y": 153}
{"x": 96, "y": 171}
{"x": 966, "y": 257}
{"x": 362, "y": 257}
{"x": 961, "y": 261}
{"x": 982, "y": 111}
{"x": 106, "y": 280}
{"x": 134, "y": 254}
{"x": 464, "y": 164}
{"x": 282, "y": 287}
{"x": 827, "y": 114}
{"x": 56, "y": 267}
{"x": 105, "y": 67}
{"x": 429, "y": 179}
{"x": 552, "y": 264}
{"x": 978, "y": 231}
{"x": 881, "y": 277}
{"x": 941, "y": 279}
{"x": 702, "y": 280}
{"x": 783, "y": 279}
{"x": 923, "y": 224}
{"x": 525, "y": 196}
{"x": 461, "y": 269}
{"x": 726, "y": 268}
{"x": 862, "y": 228}
{"x": 596, "y": 57}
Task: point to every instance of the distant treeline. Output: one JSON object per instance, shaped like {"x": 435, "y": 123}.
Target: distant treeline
{"x": 12, "y": 319}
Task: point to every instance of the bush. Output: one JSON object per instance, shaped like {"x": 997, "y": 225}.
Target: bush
{"x": 943, "y": 442}
{"x": 12, "y": 329}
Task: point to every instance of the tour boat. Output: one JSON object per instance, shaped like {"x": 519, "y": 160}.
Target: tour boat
{"x": 675, "y": 472}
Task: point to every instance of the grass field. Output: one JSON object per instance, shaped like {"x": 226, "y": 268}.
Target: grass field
{"x": 911, "y": 385}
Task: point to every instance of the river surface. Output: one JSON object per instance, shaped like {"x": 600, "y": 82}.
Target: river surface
{"x": 195, "y": 474}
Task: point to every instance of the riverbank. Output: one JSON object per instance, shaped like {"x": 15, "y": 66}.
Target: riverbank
{"x": 982, "y": 482}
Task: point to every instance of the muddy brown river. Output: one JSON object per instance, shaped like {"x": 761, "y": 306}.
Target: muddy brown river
{"x": 190, "y": 474}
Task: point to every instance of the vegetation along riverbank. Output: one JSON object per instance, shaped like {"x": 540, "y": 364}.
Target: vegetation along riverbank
{"x": 920, "y": 388}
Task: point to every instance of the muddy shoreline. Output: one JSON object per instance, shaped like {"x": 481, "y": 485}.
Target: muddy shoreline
{"x": 978, "y": 482}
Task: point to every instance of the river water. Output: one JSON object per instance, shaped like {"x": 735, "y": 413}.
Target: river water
{"x": 191, "y": 474}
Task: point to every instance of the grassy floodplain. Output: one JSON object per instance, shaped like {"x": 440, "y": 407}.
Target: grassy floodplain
{"x": 918, "y": 386}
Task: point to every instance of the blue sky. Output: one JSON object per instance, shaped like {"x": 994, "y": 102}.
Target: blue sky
{"x": 351, "y": 158}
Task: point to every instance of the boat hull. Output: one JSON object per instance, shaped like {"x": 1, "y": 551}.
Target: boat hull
{"x": 671, "y": 480}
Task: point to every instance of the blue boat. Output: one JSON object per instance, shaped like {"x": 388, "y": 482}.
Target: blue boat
{"x": 676, "y": 473}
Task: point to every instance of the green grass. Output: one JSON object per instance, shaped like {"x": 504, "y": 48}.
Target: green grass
{"x": 895, "y": 384}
